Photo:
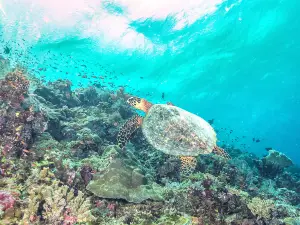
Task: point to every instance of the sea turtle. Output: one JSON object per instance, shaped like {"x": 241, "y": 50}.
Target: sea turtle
{"x": 173, "y": 131}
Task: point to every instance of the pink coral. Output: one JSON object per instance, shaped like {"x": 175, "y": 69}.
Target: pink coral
{"x": 7, "y": 201}
{"x": 69, "y": 219}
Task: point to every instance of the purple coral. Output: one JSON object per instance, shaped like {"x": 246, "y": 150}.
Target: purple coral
{"x": 86, "y": 173}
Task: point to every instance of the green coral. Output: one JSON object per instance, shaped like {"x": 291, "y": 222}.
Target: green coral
{"x": 292, "y": 220}
{"x": 244, "y": 195}
{"x": 177, "y": 220}
{"x": 261, "y": 207}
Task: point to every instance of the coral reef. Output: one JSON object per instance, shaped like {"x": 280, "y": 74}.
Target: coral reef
{"x": 59, "y": 164}
{"x": 18, "y": 125}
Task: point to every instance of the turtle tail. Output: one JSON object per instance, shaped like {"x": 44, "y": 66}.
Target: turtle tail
{"x": 128, "y": 129}
{"x": 221, "y": 152}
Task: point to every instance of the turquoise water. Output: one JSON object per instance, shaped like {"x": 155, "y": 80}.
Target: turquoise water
{"x": 232, "y": 61}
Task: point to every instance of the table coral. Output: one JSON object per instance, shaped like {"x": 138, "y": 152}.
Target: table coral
{"x": 278, "y": 159}
{"x": 120, "y": 181}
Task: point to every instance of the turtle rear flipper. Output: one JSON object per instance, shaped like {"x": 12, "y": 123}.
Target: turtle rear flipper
{"x": 188, "y": 165}
{"x": 221, "y": 152}
{"x": 128, "y": 129}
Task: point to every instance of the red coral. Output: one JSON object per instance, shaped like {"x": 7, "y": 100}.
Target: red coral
{"x": 7, "y": 201}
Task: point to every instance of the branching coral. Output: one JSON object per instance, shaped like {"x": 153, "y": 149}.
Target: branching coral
{"x": 261, "y": 207}
{"x": 55, "y": 204}
{"x": 61, "y": 204}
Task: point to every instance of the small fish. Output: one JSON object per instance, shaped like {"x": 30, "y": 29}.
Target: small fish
{"x": 163, "y": 95}
{"x": 142, "y": 77}
{"x": 211, "y": 121}
{"x": 6, "y": 50}
{"x": 19, "y": 128}
{"x": 269, "y": 148}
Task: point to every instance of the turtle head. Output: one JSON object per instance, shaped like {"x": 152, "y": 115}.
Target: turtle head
{"x": 139, "y": 103}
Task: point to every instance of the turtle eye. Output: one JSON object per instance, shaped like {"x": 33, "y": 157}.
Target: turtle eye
{"x": 130, "y": 101}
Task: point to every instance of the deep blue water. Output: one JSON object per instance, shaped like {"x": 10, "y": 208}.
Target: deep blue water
{"x": 236, "y": 62}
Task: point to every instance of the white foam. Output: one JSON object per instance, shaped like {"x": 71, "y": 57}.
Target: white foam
{"x": 1, "y": 9}
{"x": 43, "y": 18}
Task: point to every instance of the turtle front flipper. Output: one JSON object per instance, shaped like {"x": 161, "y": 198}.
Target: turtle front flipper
{"x": 221, "y": 152}
{"x": 128, "y": 129}
{"x": 188, "y": 165}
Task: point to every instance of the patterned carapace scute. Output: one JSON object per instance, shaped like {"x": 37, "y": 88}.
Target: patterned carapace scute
{"x": 175, "y": 131}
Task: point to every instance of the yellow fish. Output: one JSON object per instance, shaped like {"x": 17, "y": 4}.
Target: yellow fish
{"x": 19, "y": 128}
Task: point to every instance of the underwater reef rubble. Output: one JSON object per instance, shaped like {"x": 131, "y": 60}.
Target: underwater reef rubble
{"x": 59, "y": 164}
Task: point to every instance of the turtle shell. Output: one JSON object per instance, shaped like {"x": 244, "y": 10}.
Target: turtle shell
{"x": 175, "y": 131}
